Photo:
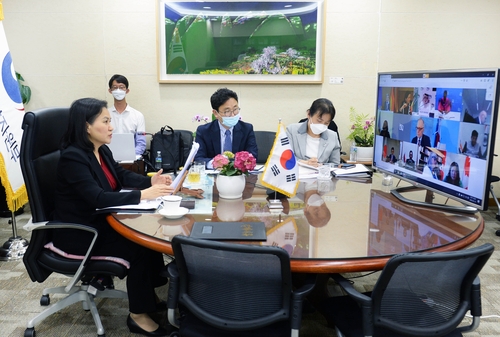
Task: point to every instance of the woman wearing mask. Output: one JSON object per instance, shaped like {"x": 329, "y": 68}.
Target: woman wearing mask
{"x": 88, "y": 178}
{"x": 312, "y": 142}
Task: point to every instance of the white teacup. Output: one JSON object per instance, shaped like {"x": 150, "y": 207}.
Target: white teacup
{"x": 171, "y": 202}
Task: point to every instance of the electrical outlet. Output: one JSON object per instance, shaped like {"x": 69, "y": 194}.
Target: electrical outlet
{"x": 336, "y": 80}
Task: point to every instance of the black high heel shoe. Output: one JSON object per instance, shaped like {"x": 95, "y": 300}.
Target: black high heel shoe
{"x": 135, "y": 328}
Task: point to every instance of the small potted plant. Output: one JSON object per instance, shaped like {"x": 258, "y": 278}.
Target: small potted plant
{"x": 232, "y": 171}
{"x": 362, "y": 134}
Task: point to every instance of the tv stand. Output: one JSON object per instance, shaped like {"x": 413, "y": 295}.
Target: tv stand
{"x": 428, "y": 200}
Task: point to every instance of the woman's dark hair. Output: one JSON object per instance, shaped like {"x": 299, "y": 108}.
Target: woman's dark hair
{"x": 322, "y": 106}
{"x": 449, "y": 179}
{"x": 81, "y": 112}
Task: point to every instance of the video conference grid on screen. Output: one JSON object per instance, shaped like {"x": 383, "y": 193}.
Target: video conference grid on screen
{"x": 434, "y": 128}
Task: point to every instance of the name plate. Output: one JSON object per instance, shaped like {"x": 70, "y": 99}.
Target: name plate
{"x": 238, "y": 231}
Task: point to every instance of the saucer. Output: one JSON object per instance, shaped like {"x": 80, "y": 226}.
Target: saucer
{"x": 176, "y": 214}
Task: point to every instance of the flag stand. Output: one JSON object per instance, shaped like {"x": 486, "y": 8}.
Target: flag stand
{"x": 274, "y": 203}
{"x": 15, "y": 247}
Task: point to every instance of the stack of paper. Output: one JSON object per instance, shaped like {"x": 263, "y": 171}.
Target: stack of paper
{"x": 359, "y": 170}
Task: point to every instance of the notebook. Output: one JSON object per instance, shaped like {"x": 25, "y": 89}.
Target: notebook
{"x": 240, "y": 231}
{"x": 123, "y": 147}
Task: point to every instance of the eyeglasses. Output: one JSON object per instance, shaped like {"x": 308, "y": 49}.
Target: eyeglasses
{"x": 121, "y": 87}
{"x": 227, "y": 113}
{"x": 419, "y": 129}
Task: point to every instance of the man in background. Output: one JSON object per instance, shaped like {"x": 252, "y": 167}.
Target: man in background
{"x": 227, "y": 132}
{"x": 391, "y": 158}
{"x": 410, "y": 163}
{"x": 472, "y": 148}
{"x": 124, "y": 118}
{"x": 444, "y": 103}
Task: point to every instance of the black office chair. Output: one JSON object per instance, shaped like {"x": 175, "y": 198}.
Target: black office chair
{"x": 225, "y": 289}
{"x": 265, "y": 142}
{"x": 417, "y": 294}
{"x": 39, "y": 156}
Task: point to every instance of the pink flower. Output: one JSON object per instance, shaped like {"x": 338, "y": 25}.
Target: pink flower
{"x": 220, "y": 161}
{"x": 244, "y": 161}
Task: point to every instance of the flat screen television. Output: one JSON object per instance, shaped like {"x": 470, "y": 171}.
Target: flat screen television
{"x": 436, "y": 130}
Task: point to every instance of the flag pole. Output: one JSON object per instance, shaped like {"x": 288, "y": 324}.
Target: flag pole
{"x": 16, "y": 246}
{"x": 275, "y": 204}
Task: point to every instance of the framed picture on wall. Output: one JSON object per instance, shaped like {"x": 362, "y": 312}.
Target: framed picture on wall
{"x": 240, "y": 41}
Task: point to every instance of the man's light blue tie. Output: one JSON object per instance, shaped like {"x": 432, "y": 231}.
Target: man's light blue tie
{"x": 228, "y": 146}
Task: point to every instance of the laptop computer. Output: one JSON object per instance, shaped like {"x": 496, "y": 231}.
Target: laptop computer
{"x": 123, "y": 147}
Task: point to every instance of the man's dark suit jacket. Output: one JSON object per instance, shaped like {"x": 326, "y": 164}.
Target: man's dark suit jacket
{"x": 208, "y": 136}
{"x": 82, "y": 187}
{"x": 426, "y": 141}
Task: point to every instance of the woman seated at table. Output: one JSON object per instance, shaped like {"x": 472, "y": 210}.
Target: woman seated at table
{"x": 312, "y": 142}
{"x": 89, "y": 178}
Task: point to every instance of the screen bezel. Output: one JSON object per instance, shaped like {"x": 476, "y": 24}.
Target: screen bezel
{"x": 414, "y": 178}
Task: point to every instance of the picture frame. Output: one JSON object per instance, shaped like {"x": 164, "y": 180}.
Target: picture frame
{"x": 240, "y": 41}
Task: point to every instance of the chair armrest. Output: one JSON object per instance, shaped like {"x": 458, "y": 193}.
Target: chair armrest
{"x": 365, "y": 303}
{"x": 475, "y": 298}
{"x": 173, "y": 293}
{"x": 360, "y": 298}
{"x": 298, "y": 296}
{"x": 53, "y": 225}
{"x": 173, "y": 285}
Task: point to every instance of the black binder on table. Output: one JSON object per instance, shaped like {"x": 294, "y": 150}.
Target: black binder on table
{"x": 237, "y": 231}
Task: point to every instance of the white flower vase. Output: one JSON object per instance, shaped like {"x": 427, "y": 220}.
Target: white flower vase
{"x": 230, "y": 187}
{"x": 230, "y": 209}
{"x": 364, "y": 153}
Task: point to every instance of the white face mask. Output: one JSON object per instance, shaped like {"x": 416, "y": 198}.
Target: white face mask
{"x": 315, "y": 200}
{"x": 318, "y": 128}
{"x": 118, "y": 94}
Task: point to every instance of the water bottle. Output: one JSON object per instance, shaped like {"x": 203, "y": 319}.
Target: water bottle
{"x": 158, "y": 161}
{"x": 353, "y": 154}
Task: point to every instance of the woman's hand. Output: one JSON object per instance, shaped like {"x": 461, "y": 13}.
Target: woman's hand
{"x": 158, "y": 178}
{"x": 311, "y": 161}
{"x": 155, "y": 191}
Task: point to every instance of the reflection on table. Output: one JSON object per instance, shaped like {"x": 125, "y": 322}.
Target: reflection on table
{"x": 329, "y": 226}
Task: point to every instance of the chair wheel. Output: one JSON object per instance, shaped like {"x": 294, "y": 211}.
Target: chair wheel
{"x": 103, "y": 335}
{"x": 497, "y": 232}
{"x": 175, "y": 334}
{"x": 29, "y": 332}
{"x": 45, "y": 300}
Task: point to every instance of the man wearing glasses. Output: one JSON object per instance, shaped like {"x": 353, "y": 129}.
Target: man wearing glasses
{"x": 124, "y": 118}
{"x": 423, "y": 142}
{"x": 227, "y": 132}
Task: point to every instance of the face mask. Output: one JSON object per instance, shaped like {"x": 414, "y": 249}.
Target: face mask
{"x": 315, "y": 200}
{"x": 118, "y": 94}
{"x": 318, "y": 128}
{"x": 230, "y": 121}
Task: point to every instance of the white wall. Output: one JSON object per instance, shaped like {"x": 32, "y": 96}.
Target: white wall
{"x": 68, "y": 49}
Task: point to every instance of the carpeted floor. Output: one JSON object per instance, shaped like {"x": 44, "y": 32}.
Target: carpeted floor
{"x": 19, "y": 297}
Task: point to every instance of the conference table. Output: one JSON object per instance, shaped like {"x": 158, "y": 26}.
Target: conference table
{"x": 332, "y": 226}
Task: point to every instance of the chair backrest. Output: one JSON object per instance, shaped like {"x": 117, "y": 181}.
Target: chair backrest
{"x": 233, "y": 286}
{"x": 39, "y": 156}
{"x": 427, "y": 294}
{"x": 265, "y": 142}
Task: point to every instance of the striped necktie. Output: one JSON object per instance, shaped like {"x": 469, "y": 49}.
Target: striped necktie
{"x": 228, "y": 146}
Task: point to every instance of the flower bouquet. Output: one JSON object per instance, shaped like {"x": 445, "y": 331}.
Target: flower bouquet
{"x": 237, "y": 164}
